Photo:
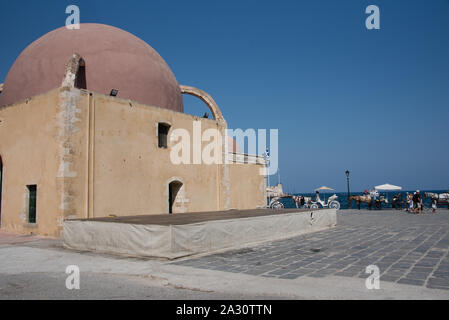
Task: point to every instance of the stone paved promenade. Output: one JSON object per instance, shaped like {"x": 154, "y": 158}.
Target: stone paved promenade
{"x": 408, "y": 249}
{"x": 411, "y": 252}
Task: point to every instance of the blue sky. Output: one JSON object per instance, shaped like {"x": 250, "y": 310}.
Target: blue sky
{"x": 375, "y": 102}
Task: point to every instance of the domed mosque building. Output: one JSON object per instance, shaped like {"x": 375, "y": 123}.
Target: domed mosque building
{"x": 86, "y": 123}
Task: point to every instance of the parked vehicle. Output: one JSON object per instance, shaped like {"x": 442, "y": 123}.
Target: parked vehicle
{"x": 275, "y": 203}
{"x": 331, "y": 203}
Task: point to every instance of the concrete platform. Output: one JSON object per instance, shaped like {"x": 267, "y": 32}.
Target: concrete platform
{"x": 179, "y": 235}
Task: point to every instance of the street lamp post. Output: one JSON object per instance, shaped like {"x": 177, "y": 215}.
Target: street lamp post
{"x": 266, "y": 156}
{"x": 349, "y": 194}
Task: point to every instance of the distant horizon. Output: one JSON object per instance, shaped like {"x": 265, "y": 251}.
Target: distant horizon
{"x": 421, "y": 190}
{"x": 361, "y": 191}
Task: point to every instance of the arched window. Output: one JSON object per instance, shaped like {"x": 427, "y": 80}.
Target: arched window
{"x": 173, "y": 191}
{"x": 80, "y": 79}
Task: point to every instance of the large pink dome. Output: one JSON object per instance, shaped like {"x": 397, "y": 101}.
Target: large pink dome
{"x": 114, "y": 59}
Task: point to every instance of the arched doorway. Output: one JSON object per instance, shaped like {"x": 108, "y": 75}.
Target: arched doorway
{"x": 173, "y": 191}
{"x": 1, "y": 179}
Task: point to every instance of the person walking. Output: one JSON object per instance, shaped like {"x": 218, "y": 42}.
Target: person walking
{"x": 415, "y": 201}
{"x": 420, "y": 206}
{"x": 408, "y": 199}
{"x": 434, "y": 205}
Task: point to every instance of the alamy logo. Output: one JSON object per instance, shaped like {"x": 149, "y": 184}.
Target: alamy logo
{"x": 373, "y": 20}
{"x": 208, "y": 146}
{"x": 73, "y": 280}
{"x": 373, "y": 281}
{"x": 72, "y": 21}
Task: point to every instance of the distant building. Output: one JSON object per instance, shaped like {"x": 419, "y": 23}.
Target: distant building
{"x": 85, "y": 123}
{"x": 275, "y": 191}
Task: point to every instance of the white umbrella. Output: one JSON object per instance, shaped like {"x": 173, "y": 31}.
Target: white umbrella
{"x": 324, "y": 188}
{"x": 388, "y": 187}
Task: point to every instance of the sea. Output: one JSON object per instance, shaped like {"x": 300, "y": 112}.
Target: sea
{"x": 343, "y": 198}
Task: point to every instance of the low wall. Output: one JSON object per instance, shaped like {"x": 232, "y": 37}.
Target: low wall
{"x": 175, "y": 241}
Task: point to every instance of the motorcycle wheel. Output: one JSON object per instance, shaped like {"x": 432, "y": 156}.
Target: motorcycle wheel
{"x": 314, "y": 206}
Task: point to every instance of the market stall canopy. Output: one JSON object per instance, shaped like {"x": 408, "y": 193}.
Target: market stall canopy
{"x": 324, "y": 188}
{"x": 387, "y": 187}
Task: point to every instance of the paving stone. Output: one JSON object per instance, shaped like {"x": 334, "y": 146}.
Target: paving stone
{"x": 399, "y": 271}
{"x": 431, "y": 286}
{"x": 417, "y": 276}
{"x": 279, "y": 272}
{"x": 411, "y": 281}
{"x": 436, "y": 255}
{"x": 316, "y": 275}
{"x": 422, "y": 269}
{"x": 303, "y": 271}
{"x": 439, "y": 274}
{"x": 426, "y": 263}
{"x": 444, "y": 282}
{"x": 390, "y": 278}
{"x": 269, "y": 275}
{"x": 289, "y": 276}
{"x": 317, "y": 265}
{"x": 407, "y": 261}
{"x": 347, "y": 273}
{"x": 405, "y": 248}
{"x": 257, "y": 271}
{"x": 338, "y": 265}
{"x": 382, "y": 266}
{"x": 325, "y": 272}
{"x": 401, "y": 266}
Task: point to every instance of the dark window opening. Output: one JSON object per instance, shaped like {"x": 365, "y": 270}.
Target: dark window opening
{"x": 162, "y": 133}
{"x": 32, "y": 198}
{"x": 80, "y": 79}
{"x": 173, "y": 189}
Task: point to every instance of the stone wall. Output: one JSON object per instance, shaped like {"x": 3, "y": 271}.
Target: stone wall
{"x": 93, "y": 155}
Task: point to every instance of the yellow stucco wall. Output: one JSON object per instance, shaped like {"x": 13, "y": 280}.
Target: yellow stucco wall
{"x": 247, "y": 186}
{"x": 92, "y": 155}
{"x": 29, "y": 150}
{"x": 132, "y": 173}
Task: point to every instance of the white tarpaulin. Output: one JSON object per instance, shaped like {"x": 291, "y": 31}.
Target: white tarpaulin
{"x": 388, "y": 187}
{"x": 175, "y": 241}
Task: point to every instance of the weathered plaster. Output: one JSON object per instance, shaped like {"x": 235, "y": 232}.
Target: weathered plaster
{"x": 68, "y": 119}
{"x": 129, "y": 174}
